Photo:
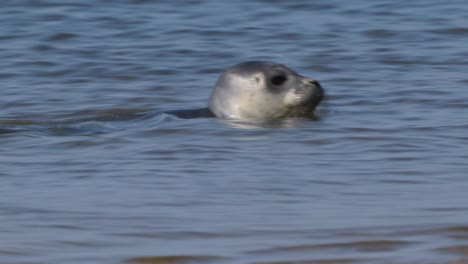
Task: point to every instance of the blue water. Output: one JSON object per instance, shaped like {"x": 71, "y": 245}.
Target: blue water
{"x": 93, "y": 171}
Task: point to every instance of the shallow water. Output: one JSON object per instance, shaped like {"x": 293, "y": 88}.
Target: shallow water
{"x": 93, "y": 171}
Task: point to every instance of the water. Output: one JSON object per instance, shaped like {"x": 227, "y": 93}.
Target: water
{"x": 93, "y": 171}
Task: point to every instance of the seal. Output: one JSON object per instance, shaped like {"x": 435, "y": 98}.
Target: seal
{"x": 264, "y": 90}
{"x": 260, "y": 90}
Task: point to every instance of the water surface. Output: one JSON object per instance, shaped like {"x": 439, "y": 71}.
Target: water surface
{"x": 93, "y": 171}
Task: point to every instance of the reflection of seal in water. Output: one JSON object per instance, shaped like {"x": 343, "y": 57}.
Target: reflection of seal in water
{"x": 260, "y": 90}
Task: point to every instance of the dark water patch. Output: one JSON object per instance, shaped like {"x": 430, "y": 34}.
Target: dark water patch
{"x": 78, "y": 143}
{"x": 43, "y": 47}
{"x": 4, "y": 131}
{"x": 352, "y": 12}
{"x": 451, "y": 232}
{"x": 463, "y": 229}
{"x": 110, "y": 20}
{"x": 52, "y": 4}
{"x": 330, "y": 35}
{"x": 12, "y": 253}
{"x": 19, "y": 122}
{"x": 104, "y": 115}
{"x": 454, "y": 232}
{"x": 165, "y": 131}
{"x": 447, "y": 209}
{"x": 66, "y": 227}
{"x": 320, "y": 141}
{"x": 8, "y": 37}
{"x": 311, "y": 6}
{"x": 52, "y": 17}
{"x": 88, "y": 52}
{"x": 176, "y": 32}
{"x": 406, "y": 159}
{"x": 84, "y": 123}
{"x": 42, "y": 63}
{"x": 398, "y": 60}
{"x": 461, "y": 250}
{"x": 182, "y": 235}
{"x": 359, "y": 246}
{"x": 455, "y": 31}
{"x": 184, "y": 51}
{"x": 63, "y": 36}
{"x": 383, "y": 50}
{"x": 162, "y": 72}
{"x": 291, "y": 36}
{"x": 80, "y": 129}
{"x": 30, "y": 64}
{"x": 405, "y": 182}
{"x": 300, "y": 6}
{"x": 53, "y": 73}
{"x": 74, "y": 244}
{"x": 174, "y": 259}
{"x": 218, "y": 33}
{"x": 159, "y": 88}
{"x": 318, "y": 261}
{"x": 386, "y": 13}
{"x": 324, "y": 182}
{"x": 138, "y": 2}
{"x": 131, "y": 34}
{"x": 126, "y": 77}
{"x": 380, "y": 33}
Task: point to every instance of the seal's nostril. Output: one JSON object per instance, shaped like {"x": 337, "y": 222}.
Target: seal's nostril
{"x": 314, "y": 82}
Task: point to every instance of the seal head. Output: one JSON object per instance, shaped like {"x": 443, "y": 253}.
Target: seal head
{"x": 264, "y": 90}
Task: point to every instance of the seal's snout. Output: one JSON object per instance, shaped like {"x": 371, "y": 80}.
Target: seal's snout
{"x": 312, "y": 82}
{"x": 319, "y": 92}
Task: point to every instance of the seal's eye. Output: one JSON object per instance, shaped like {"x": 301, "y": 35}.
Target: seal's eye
{"x": 278, "y": 79}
